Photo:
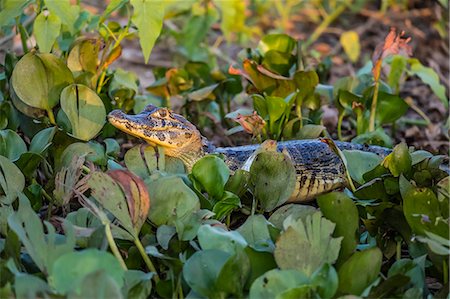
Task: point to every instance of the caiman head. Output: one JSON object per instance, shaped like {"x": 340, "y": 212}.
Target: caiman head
{"x": 160, "y": 126}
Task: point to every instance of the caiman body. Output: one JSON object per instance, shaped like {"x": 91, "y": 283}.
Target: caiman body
{"x": 318, "y": 168}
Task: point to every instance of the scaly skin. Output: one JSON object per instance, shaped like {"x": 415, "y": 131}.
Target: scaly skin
{"x": 318, "y": 168}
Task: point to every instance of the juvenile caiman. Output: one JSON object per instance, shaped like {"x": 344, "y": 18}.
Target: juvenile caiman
{"x": 318, "y": 168}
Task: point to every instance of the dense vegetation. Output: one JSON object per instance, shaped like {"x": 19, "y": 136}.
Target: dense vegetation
{"x": 84, "y": 212}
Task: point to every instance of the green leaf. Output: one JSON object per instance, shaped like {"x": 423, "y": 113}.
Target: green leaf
{"x": 280, "y": 42}
{"x": 390, "y": 108}
{"x": 359, "y": 162}
{"x": 171, "y": 200}
{"x": 84, "y": 109}
{"x": 46, "y": 29}
{"x": 278, "y": 62}
{"x": 437, "y": 244}
{"x": 398, "y": 67}
{"x": 12, "y": 181}
{"x": 123, "y": 87}
{"x": 113, "y": 5}
{"x": 409, "y": 268}
{"x": 326, "y": 281}
{"x": 359, "y": 271}
{"x": 12, "y": 9}
{"x": 377, "y": 137}
{"x": 276, "y": 282}
{"x": 30, "y": 286}
{"x": 203, "y": 93}
{"x": 201, "y": 272}
{"x": 340, "y": 209}
{"x": 210, "y": 237}
{"x": 99, "y": 284}
{"x": 82, "y": 264}
{"x": 272, "y": 175}
{"x": 226, "y": 205}
{"x": 44, "y": 249}
{"x": 28, "y": 163}
{"x": 350, "y": 42}
{"x": 429, "y": 76}
{"x": 148, "y": 17}
{"x": 137, "y": 284}
{"x": 306, "y": 246}
{"x": 422, "y": 212}
{"x": 399, "y": 161}
{"x": 66, "y": 12}
{"x": 212, "y": 173}
{"x": 295, "y": 211}
{"x": 255, "y": 231}
{"x": 42, "y": 140}
{"x": 38, "y": 79}
{"x": 11, "y": 145}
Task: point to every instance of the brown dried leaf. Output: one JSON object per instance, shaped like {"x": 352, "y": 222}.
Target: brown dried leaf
{"x": 252, "y": 124}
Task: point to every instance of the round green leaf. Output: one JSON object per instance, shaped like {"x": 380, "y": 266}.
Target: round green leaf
{"x": 273, "y": 176}
{"x": 171, "y": 199}
{"x": 46, "y": 29}
{"x": 212, "y": 173}
{"x": 326, "y": 281}
{"x": 42, "y": 140}
{"x": 211, "y": 237}
{"x": 70, "y": 270}
{"x": 84, "y": 109}
{"x": 11, "y": 145}
{"x": 279, "y": 42}
{"x": 276, "y": 282}
{"x": 38, "y": 79}
{"x": 399, "y": 161}
{"x": 359, "y": 271}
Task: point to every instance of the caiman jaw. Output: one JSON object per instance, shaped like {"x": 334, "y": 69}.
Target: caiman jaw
{"x": 159, "y": 126}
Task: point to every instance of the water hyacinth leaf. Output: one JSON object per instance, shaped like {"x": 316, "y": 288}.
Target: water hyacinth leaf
{"x": 295, "y": 211}
{"x": 278, "y": 62}
{"x": 203, "y": 93}
{"x": 42, "y": 140}
{"x": 276, "y": 282}
{"x": 12, "y": 181}
{"x": 255, "y": 231}
{"x": 430, "y": 77}
{"x": 148, "y": 14}
{"x": 11, "y": 145}
{"x": 38, "y": 80}
{"x": 28, "y": 163}
{"x": 77, "y": 149}
{"x": 390, "y": 108}
{"x": 137, "y": 284}
{"x": 410, "y": 268}
{"x": 437, "y": 244}
{"x": 83, "y": 56}
{"x": 98, "y": 284}
{"x": 211, "y": 237}
{"x": 171, "y": 200}
{"x": 136, "y": 195}
{"x": 122, "y": 88}
{"x": 110, "y": 195}
{"x": 27, "y": 285}
{"x": 422, "y": 212}
{"x": 359, "y": 162}
{"x": 340, "y": 209}
{"x": 84, "y": 109}
{"x": 359, "y": 271}
{"x": 88, "y": 228}
{"x": 279, "y": 42}
{"x": 12, "y": 9}
{"x": 350, "y": 42}
{"x": 44, "y": 249}
{"x": 377, "y": 137}
{"x": 201, "y": 272}
{"x": 234, "y": 274}
{"x": 398, "y": 67}
{"x": 272, "y": 175}
{"x": 46, "y": 29}
{"x": 82, "y": 264}
{"x": 226, "y": 205}
{"x": 260, "y": 263}
{"x": 326, "y": 281}
{"x": 306, "y": 246}
{"x": 399, "y": 161}
{"x": 212, "y": 173}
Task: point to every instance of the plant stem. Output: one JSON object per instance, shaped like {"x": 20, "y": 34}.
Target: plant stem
{"x": 51, "y": 116}
{"x": 147, "y": 260}
{"x": 23, "y": 35}
{"x": 339, "y": 125}
{"x": 373, "y": 108}
{"x": 113, "y": 246}
{"x": 325, "y": 23}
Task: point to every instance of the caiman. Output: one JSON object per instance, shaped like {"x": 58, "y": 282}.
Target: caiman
{"x": 317, "y": 167}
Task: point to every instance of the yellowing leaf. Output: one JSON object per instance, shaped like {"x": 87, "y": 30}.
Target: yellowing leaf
{"x": 350, "y": 42}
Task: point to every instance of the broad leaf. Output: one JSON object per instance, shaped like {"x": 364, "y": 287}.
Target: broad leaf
{"x": 359, "y": 162}
{"x": 211, "y": 237}
{"x": 12, "y": 181}
{"x": 84, "y": 109}
{"x": 46, "y": 29}
{"x": 42, "y": 140}
{"x": 67, "y": 13}
{"x": 306, "y": 246}
{"x": 212, "y": 173}
{"x": 350, "y": 42}
{"x": 11, "y": 145}
{"x": 255, "y": 231}
{"x": 148, "y": 17}
{"x": 276, "y": 282}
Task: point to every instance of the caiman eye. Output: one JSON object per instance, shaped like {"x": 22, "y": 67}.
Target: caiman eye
{"x": 163, "y": 112}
